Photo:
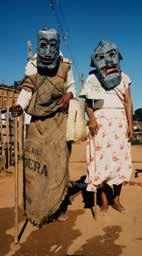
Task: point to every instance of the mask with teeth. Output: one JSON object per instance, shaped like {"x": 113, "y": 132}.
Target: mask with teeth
{"x": 106, "y": 59}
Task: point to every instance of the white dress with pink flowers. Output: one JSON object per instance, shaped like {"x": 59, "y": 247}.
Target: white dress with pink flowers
{"x": 108, "y": 153}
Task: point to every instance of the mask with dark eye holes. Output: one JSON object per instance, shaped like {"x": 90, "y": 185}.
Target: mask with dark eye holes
{"x": 106, "y": 59}
{"x": 48, "y": 44}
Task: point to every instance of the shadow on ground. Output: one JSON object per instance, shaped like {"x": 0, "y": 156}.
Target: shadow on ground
{"x": 53, "y": 239}
{"x": 102, "y": 244}
{"x": 7, "y": 219}
{"x": 6, "y": 222}
{"x": 57, "y": 237}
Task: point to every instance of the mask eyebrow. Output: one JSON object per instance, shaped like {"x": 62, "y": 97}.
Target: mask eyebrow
{"x": 44, "y": 40}
{"x": 99, "y": 55}
{"x": 110, "y": 51}
{"x": 52, "y": 41}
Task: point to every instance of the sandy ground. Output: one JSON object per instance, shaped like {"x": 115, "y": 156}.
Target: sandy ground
{"x": 80, "y": 235}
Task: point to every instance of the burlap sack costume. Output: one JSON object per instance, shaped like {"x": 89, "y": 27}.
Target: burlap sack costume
{"x": 46, "y": 149}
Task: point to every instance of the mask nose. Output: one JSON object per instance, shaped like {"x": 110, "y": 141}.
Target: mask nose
{"x": 109, "y": 62}
{"x": 48, "y": 52}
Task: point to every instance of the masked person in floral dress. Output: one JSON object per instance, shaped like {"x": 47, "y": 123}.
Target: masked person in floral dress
{"x": 45, "y": 95}
{"x": 109, "y": 109}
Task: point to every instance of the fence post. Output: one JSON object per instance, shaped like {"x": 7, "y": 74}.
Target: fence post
{"x": 8, "y": 137}
{"x": 2, "y": 156}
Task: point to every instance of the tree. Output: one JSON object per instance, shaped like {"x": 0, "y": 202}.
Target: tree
{"x": 138, "y": 114}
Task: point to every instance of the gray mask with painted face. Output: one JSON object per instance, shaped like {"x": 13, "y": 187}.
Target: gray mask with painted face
{"x": 48, "y": 49}
{"x": 106, "y": 59}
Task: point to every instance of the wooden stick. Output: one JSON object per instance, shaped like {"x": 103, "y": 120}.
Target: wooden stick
{"x": 95, "y": 204}
{"x": 16, "y": 178}
{"x": 21, "y": 153}
{"x": 94, "y": 209}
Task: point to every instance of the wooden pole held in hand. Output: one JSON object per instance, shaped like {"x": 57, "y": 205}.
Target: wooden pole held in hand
{"x": 16, "y": 177}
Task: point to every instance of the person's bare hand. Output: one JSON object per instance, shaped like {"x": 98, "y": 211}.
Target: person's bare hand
{"x": 16, "y": 110}
{"x": 65, "y": 100}
{"x": 93, "y": 127}
{"x": 129, "y": 133}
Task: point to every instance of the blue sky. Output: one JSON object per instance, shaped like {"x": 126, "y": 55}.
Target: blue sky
{"x": 86, "y": 22}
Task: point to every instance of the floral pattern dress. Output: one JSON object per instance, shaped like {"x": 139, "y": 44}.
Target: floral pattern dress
{"x": 109, "y": 152}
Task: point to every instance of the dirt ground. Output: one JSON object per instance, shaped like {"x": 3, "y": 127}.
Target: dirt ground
{"x": 80, "y": 235}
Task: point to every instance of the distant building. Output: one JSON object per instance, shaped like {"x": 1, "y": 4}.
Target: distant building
{"x": 8, "y": 95}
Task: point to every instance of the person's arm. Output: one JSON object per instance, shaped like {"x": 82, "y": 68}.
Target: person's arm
{"x": 71, "y": 83}
{"x": 93, "y": 125}
{"x": 24, "y": 97}
{"x": 71, "y": 93}
{"x": 129, "y": 112}
{"x": 22, "y": 102}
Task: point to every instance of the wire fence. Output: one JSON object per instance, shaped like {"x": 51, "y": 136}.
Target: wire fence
{"x": 8, "y": 97}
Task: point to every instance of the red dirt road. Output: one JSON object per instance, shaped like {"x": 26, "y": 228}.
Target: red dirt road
{"x": 80, "y": 235}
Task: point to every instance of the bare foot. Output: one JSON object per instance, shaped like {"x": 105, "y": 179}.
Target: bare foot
{"x": 104, "y": 209}
{"x": 118, "y": 207}
{"x": 62, "y": 217}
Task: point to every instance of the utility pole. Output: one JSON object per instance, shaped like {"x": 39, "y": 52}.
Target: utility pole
{"x": 81, "y": 80}
{"x": 30, "y": 52}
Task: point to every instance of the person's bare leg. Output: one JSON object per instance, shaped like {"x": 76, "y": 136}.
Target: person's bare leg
{"x": 104, "y": 206}
{"x": 117, "y": 191}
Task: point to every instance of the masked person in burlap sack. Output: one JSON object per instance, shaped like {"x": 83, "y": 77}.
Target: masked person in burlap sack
{"x": 45, "y": 95}
{"x": 109, "y": 109}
